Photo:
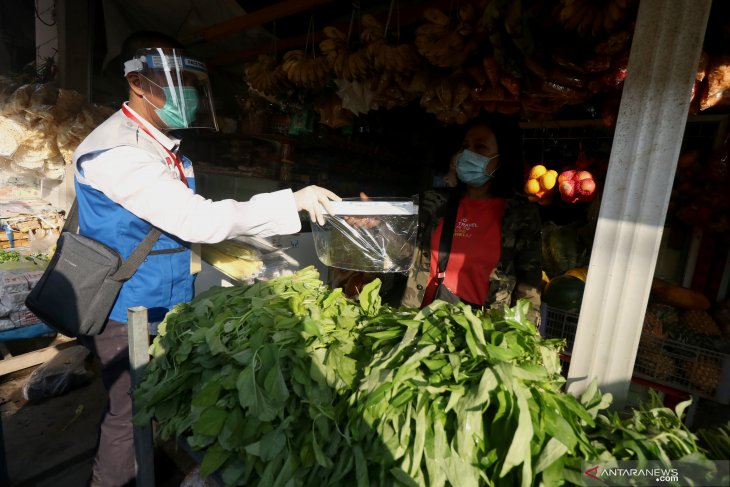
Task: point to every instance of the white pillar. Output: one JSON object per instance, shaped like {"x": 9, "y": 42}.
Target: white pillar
{"x": 664, "y": 56}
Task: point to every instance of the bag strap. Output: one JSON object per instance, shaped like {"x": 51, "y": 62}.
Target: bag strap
{"x": 72, "y": 219}
{"x": 129, "y": 266}
{"x": 447, "y": 235}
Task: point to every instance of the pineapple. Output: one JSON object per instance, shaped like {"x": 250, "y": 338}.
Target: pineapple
{"x": 653, "y": 329}
{"x": 698, "y": 329}
{"x": 652, "y": 324}
{"x": 687, "y": 336}
{"x": 701, "y": 322}
{"x": 704, "y": 374}
{"x": 650, "y": 343}
{"x": 654, "y": 364}
{"x": 668, "y": 315}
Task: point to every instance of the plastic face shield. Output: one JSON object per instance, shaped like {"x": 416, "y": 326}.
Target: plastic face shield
{"x": 176, "y": 86}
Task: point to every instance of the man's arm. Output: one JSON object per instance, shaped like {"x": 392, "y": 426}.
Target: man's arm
{"x": 143, "y": 184}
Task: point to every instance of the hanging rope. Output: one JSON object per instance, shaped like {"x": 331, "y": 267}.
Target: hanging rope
{"x": 276, "y": 41}
{"x": 394, "y": 4}
{"x": 355, "y": 12}
{"x": 387, "y": 22}
{"x": 310, "y": 35}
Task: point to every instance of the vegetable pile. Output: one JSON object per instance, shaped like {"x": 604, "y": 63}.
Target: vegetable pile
{"x": 287, "y": 382}
{"x": 7, "y": 256}
{"x": 716, "y": 441}
{"x": 13, "y": 256}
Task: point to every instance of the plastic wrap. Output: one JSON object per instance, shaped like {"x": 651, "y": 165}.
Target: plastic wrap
{"x": 247, "y": 258}
{"x": 239, "y": 261}
{"x": 377, "y": 235}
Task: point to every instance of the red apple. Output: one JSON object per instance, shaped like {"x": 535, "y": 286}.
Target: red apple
{"x": 568, "y": 191}
{"x": 567, "y": 188}
{"x": 586, "y": 187}
{"x": 581, "y": 175}
{"x": 565, "y": 176}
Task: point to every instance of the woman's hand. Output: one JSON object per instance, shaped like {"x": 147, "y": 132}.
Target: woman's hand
{"x": 366, "y": 222}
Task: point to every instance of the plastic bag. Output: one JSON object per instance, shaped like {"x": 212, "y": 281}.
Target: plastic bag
{"x": 375, "y": 235}
{"x": 64, "y": 372}
{"x": 277, "y": 263}
{"x": 16, "y": 281}
{"x": 68, "y": 104}
{"x": 356, "y": 96}
{"x": 12, "y": 133}
{"x": 194, "y": 479}
{"x": 18, "y": 101}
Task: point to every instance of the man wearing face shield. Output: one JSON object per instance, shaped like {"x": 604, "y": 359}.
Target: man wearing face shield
{"x": 130, "y": 176}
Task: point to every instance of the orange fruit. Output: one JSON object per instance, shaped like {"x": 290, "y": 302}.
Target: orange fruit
{"x": 537, "y": 171}
{"x": 549, "y": 179}
{"x": 532, "y": 186}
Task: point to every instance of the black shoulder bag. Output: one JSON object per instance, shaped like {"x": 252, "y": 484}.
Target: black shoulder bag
{"x": 82, "y": 281}
{"x": 447, "y": 235}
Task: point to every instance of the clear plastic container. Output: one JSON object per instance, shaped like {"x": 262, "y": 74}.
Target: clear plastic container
{"x": 374, "y": 235}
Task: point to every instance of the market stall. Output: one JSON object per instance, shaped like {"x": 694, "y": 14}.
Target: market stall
{"x": 302, "y": 368}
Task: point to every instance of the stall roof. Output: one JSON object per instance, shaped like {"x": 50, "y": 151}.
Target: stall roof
{"x": 123, "y": 17}
{"x": 231, "y": 32}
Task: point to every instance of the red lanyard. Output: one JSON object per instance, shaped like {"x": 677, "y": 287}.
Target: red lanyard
{"x": 173, "y": 159}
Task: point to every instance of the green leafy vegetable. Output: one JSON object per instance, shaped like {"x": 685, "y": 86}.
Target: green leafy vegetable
{"x": 286, "y": 382}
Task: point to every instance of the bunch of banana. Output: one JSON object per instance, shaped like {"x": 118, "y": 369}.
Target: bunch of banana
{"x": 391, "y": 90}
{"x": 335, "y": 43}
{"x": 306, "y": 72}
{"x": 347, "y": 65}
{"x": 386, "y": 57}
{"x": 236, "y": 259}
{"x": 372, "y": 30}
{"x": 449, "y": 100}
{"x": 443, "y": 42}
{"x": 492, "y": 88}
{"x": 418, "y": 83}
{"x": 266, "y": 76}
{"x": 591, "y": 16}
{"x": 401, "y": 58}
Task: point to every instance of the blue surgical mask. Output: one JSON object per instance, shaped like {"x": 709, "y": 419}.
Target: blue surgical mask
{"x": 471, "y": 168}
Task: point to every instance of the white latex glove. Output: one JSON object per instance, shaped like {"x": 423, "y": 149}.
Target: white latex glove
{"x": 315, "y": 201}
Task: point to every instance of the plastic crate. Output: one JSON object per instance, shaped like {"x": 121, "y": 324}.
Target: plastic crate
{"x": 687, "y": 368}
{"x": 556, "y": 323}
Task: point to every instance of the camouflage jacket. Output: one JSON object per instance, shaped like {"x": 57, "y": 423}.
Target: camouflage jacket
{"x": 518, "y": 273}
